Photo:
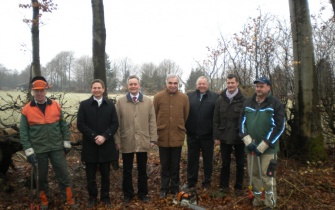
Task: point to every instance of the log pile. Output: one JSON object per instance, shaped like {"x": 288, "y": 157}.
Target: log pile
{"x": 9, "y": 145}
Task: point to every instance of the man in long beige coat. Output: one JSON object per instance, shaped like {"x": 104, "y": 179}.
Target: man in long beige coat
{"x": 136, "y": 134}
{"x": 172, "y": 108}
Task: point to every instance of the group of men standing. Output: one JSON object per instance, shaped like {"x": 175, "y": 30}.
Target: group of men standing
{"x": 240, "y": 124}
{"x": 136, "y": 123}
{"x": 214, "y": 120}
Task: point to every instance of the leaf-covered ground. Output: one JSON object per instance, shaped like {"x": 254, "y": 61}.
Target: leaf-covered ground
{"x": 300, "y": 186}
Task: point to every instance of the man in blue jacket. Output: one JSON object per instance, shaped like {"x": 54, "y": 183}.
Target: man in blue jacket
{"x": 262, "y": 123}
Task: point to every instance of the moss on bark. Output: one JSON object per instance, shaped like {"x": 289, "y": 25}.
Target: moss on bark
{"x": 315, "y": 149}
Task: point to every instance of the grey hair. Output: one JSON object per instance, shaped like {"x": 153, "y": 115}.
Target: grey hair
{"x": 199, "y": 78}
{"x": 134, "y": 77}
{"x": 169, "y": 76}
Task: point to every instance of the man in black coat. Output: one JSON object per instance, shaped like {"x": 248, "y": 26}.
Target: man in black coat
{"x": 226, "y": 133}
{"x": 98, "y": 122}
{"x": 199, "y": 127}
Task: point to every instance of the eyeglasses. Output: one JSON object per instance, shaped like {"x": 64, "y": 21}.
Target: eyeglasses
{"x": 173, "y": 83}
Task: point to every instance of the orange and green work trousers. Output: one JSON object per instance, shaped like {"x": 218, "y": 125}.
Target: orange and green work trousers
{"x": 59, "y": 165}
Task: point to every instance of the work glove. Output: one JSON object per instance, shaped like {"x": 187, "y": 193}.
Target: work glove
{"x": 31, "y": 157}
{"x": 247, "y": 140}
{"x": 257, "y": 152}
{"x": 252, "y": 147}
{"x": 66, "y": 147}
{"x": 262, "y": 147}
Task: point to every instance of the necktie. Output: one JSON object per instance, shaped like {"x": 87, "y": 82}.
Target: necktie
{"x": 134, "y": 98}
{"x": 201, "y": 95}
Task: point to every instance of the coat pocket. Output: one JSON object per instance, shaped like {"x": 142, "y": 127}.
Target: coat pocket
{"x": 125, "y": 133}
{"x": 161, "y": 127}
{"x": 182, "y": 127}
{"x": 144, "y": 141}
{"x": 181, "y": 133}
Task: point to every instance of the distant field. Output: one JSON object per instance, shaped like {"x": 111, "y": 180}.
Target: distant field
{"x": 71, "y": 106}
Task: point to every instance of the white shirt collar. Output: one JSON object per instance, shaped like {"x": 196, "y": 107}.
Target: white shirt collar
{"x": 132, "y": 96}
{"x": 98, "y": 100}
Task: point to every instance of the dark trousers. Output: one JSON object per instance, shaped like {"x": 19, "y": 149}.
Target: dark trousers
{"x": 127, "y": 183}
{"x": 170, "y": 165}
{"x": 91, "y": 170}
{"x": 195, "y": 145}
{"x": 226, "y": 150}
{"x": 115, "y": 152}
{"x": 59, "y": 165}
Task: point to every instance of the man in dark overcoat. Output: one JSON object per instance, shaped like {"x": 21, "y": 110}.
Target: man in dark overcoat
{"x": 98, "y": 122}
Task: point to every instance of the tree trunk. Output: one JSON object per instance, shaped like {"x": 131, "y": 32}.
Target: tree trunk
{"x": 99, "y": 42}
{"x": 307, "y": 138}
{"x": 35, "y": 37}
{"x": 333, "y": 5}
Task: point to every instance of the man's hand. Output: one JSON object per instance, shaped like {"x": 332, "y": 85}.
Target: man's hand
{"x": 30, "y": 154}
{"x": 247, "y": 140}
{"x": 66, "y": 150}
{"x": 257, "y": 152}
{"x": 66, "y": 147}
{"x": 262, "y": 147}
{"x": 100, "y": 139}
{"x": 32, "y": 159}
{"x": 152, "y": 145}
{"x": 252, "y": 147}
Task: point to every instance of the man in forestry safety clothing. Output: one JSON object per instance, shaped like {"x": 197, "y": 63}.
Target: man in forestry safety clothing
{"x": 261, "y": 124}
{"x": 45, "y": 136}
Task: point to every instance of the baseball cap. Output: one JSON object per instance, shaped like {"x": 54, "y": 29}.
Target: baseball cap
{"x": 263, "y": 80}
{"x": 39, "y": 83}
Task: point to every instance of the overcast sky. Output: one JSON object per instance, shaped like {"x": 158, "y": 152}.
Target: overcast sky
{"x": 142, "y": 30}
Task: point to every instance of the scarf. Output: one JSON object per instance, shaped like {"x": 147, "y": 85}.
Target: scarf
{"x": 231, "y": 95}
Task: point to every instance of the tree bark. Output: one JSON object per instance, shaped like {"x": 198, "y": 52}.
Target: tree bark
{"x": 333, "y": 5}
{"x": 307, "y": 135}
{"x": 99, "y": 42}
{"x": 35, "y": 37}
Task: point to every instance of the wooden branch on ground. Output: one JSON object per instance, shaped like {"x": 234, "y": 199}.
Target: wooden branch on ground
{"x": 302, "y": 192}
